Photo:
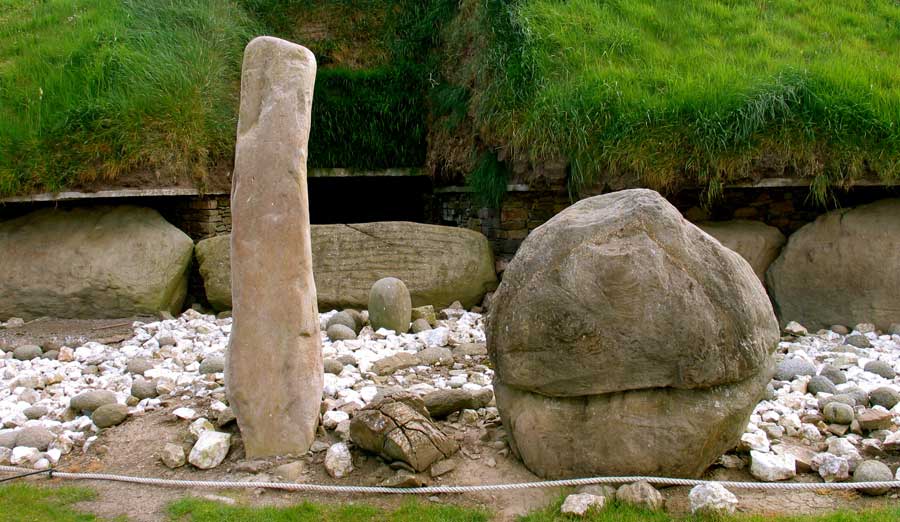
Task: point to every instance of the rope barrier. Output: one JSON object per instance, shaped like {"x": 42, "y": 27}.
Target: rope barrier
{"x": 433, "y": 490}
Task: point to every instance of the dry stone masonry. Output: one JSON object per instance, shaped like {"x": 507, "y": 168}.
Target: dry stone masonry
{"x": 274, "y": 363}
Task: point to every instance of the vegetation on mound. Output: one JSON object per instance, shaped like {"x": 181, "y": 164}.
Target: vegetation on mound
{"x": 706, "y": 91}
{"x": 660, "y": 92}
{"x": 95, "y": 88}
{"x": 377, "y": 62}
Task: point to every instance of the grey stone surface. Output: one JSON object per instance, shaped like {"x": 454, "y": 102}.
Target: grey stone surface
{"x": 441, "y": 403}
{"x": 853, "y": 253}
{"x": 419, "y": 325}
{"x": 820, "y": 384}
{"x": 109, "y": 415}
{"x": 398, "y": 428}
{"x": 615, "y": 321}
{"x": 212, "y": 364}
{"x": 340, "y": 332}
{"x": 833, "y": 374}
{"x": 35, "y": 437}
{"x": 106, "y": 261}
{"x": 344, "y": 318}
{"x": 881, "y": 368}
{"x": 873, "y": 471}
{"x": 755, "y": 241}
{"x": 884, "y": 396}
{"x": 640, "y": 494}
{"x": 144, "y": 388}
{"x": 390, "y": 306}
{"x": 790, "y": 369}
{"x": 838, "y": 413}
{"x": 439, "y": 264}
{"x": 91, "y": 400}
{"x": 26, "y": 352}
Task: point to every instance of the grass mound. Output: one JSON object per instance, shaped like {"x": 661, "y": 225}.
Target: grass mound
{"x": 93, "y": 88}
{"x": 658, "y": 92}
{"x": 672, "y": 91}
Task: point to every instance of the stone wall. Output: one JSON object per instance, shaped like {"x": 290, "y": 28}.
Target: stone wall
{"x": 506, "y": 227}
{"x": 785, "y": 208}
{"x": 199, "y": 217}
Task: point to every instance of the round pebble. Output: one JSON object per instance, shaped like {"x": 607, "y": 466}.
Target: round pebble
{"x": 27, "y": 352}
{"x": 819, "y": 384}
{"x": 790, "y": 369}
{"x": 881, "y": 368}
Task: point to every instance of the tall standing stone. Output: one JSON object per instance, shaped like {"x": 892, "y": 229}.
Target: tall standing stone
{"x": 274, "y": 367}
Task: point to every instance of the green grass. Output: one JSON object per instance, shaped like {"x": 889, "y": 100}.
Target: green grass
{"x": 699, "y": 90}
{"x": 671, "y": 92}
{"x": 94, "y": 88}
{"x": 194, "y": 510}
{"x": 25, "y": 503}
{"x": 623, "y": 513}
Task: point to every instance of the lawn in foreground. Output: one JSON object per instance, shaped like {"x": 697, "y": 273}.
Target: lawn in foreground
{"x": 21, "y": 502}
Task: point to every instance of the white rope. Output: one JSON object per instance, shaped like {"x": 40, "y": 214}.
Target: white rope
{"x": 432, "y": 490}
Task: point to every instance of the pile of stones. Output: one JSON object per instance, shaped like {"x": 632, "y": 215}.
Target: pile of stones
{"x": 55, "y": 401}
{"x": 833, "y": 408}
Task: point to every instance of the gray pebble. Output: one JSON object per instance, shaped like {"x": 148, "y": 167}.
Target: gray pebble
{"x": 27, "y": 352}
{"x": 333, "y": 366}
{"x": 143, "y": 388}
{"x": 419, "y": 325}
{"x": 884, "y": 396}
{"x": 109, "y": 415}
{"x": 790, "y": 369}
{"x": 820, "y": 384}
{"x": 139, "y": 365}
{"x": 212, "y": 364}
{"x": 838, "y": 413}
{"x": 35, "y": 412}
{"x": 833, "y": 374}
{"x": 858, "y": 340}
{"x": 343, "y": 318}
{"x": 881, "y": 368}
{"x": 340, "y": 332}
{"x": 35, "y": 437}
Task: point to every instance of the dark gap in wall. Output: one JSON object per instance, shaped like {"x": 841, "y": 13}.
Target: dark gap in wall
{"x": 367, "y": 199}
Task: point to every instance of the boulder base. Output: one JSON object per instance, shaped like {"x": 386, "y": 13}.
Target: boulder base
{"x": 660, "y": 433}
{"x": 96, "y": 262}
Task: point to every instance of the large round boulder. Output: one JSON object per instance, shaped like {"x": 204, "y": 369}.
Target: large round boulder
{"x": 625, "y": 340}
{"x": 439, "y": 264}
{"x": 842, "y": 268}
{"x": 755, "y": 241}
{"x": 94, "y": 262}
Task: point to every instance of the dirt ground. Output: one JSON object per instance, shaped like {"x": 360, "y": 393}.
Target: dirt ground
{"x": 132, "y": 448}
